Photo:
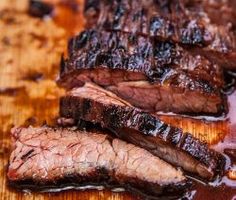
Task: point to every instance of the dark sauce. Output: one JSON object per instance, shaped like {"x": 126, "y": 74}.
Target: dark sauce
{"x": 230, "y": 82}
{"x": 33, "y": 76}
{"x": 40, "y": 9}
{"x": 224, "y": 188}
{"x": 11, "y": 91}
{"x": 231, "y": 153}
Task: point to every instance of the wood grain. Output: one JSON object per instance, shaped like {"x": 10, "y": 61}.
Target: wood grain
{"x": 28, "y": 101}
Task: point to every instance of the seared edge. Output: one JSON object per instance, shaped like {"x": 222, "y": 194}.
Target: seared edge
{"x": 152, "y": 60}
{"x": 114, "y": 60}
{"x": 188, "y": 23}
{"x": 96, "y": 105}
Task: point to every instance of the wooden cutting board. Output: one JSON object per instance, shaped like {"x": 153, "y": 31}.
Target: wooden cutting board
{"x": 29, "y": 63}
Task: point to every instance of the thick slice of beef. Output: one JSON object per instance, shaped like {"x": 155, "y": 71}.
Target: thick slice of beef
{"x": 184, "y": 22}
{"x": 94, "y": 104}
{"x": 134, "y": 66}
{"x": 48, "y": 157}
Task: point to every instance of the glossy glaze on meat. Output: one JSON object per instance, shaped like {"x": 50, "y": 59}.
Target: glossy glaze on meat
{"x": 96, "y": 105}
{"x": 189, "y": 23}
{"x": 132, "y": 66}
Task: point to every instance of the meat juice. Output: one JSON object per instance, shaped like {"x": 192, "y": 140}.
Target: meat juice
{"x": 224, "y": 188}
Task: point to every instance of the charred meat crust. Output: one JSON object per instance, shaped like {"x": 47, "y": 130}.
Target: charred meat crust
{"x": 110, "y": 59}
{"x": 170, "y": 192}
{"x": 153, "y": 60}
{"x": 30, "y": 167}
{"x": 183, "y": 22}
{"x": 71, "y": 182}
{"x": 152, "y": 18}
{"x": 142, "y": 129}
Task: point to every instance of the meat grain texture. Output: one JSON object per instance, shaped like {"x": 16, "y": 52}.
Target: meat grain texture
{"x": 44, "y": 157}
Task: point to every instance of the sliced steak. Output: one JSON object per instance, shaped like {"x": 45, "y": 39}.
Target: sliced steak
{"x": 93, "y": 104}
{"x": 48, "y": 158}
{"x": 134, "y": 66}
{"x": 184, "y": 22}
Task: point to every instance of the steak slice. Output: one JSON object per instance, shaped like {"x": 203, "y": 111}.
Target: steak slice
{"x": 132, "y": 66}
{"x": 184, "y": 22}
{"x": 48, "y": 158}
{"x": 93, "y": 104}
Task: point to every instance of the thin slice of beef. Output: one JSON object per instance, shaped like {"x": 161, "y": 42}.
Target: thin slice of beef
{"x": 134, "y": 66}
{"x": 94, "y": 104}
{"x": 48, "y": 157}
{"x": 185, "y": 22}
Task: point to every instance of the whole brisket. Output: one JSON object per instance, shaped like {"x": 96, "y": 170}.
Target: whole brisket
{"x": 44, "y": 158}
{"x": 188, "y": 23}
{"x": 134, "y": 66}
{"x": 93, "y": 104}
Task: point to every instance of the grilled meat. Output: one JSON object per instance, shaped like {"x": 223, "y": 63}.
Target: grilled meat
{"x": 94, "y": 104}
{"x": 184, "y": 22}
{"x": 48, "y": 158}
{"x": 134, "y": 66}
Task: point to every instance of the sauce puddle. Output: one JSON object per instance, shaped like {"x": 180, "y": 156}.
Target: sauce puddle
{"x": 223, "y": 188}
